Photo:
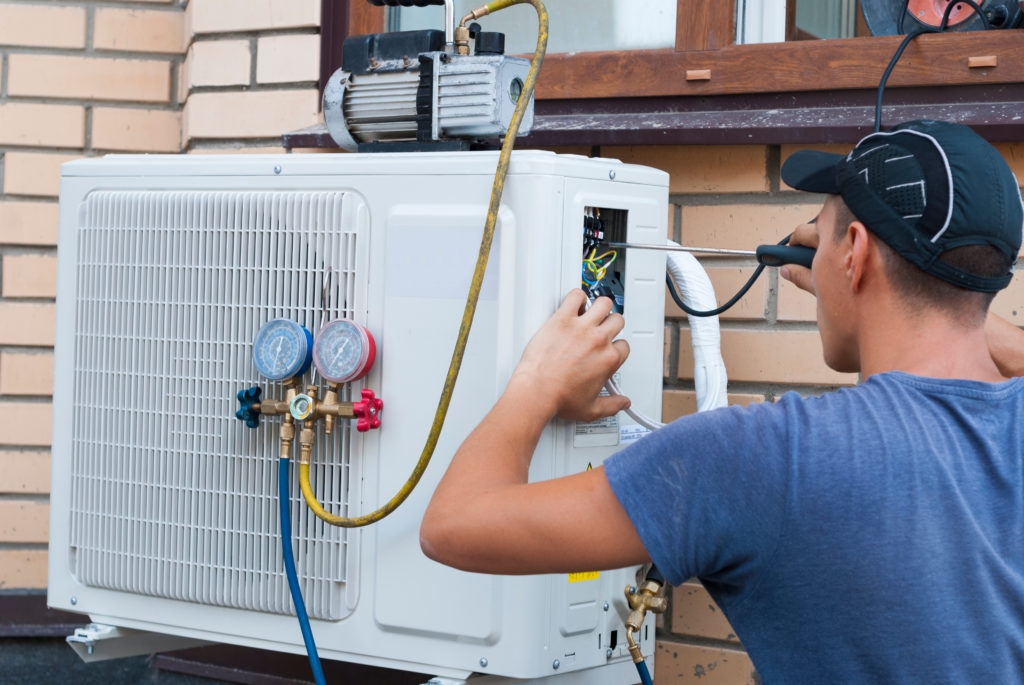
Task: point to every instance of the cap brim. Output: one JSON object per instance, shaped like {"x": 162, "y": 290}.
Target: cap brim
{"x": 813, "y": 171}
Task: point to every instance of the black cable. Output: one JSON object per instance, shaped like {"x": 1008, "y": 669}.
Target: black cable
{"x": 728, "y": 305}
{"x": 903, "y": 13}
{"x": 910, "y": 37}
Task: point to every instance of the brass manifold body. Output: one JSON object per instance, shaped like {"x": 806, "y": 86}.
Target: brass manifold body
{"x": 650, "y": 596}
{"x": 308, "y": 409}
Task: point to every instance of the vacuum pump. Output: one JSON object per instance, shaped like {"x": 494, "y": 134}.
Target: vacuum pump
{"x": 423, "y": 89}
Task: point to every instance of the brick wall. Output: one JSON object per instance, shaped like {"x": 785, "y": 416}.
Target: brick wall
{"x": 250, "y": 73}
{"x": 77, "y": 78}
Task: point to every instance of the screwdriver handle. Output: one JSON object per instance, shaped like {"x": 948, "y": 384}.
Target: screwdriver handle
{"x": 778, "y": 255}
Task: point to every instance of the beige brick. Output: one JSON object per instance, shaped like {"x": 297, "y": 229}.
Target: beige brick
{"x": 42, "y": 125}
{"x": 136, "y": 130}
{"x": 769, "y": 357}
{"x": 796, "y": 304}
{"x": 727, "y": 281}
{"x": 41, "y": 26}
{"x": 24, "y": 521}
{"x": 249, "y": 115}
{"x": 742, "y": 227}
{"x": 29, "y": 276}
{"x": 30, "y": 173}
{"x": 25, "y": 424}
{"x": 1009, "y": 304}
{"x": 28, "y": 223}
{"x": 27, "y": 324}
{"x": 218, "y": 63}
{"x": 681, "y": 663}
{"x": 219, "y": 16}
{"x": 89, "y": 78}
{"x": 695, "y": 613}
{"x": 139, "y": 30}
{"x": 24, "y": 473}
{"x": 288, "y": 59}
{"x": 22, "y": 568}
{"x": 702, "y": 168}
{"x": 25, "y": 373}
{"x": 676, "y": 403}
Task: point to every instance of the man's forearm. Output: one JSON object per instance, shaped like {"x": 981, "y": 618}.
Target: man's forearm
{"x": 1006, "y": 345}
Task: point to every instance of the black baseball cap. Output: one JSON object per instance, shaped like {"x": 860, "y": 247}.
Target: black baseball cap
{"x": 924, "y": 187}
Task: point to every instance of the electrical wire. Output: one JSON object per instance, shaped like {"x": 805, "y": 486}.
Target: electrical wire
{"x": 910, "y": 38}
{"x": 474, "y": 288}
{"x": 283, "y": 497}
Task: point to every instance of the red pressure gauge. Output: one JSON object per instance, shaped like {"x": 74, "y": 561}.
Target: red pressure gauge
{"x": 344, "y": 351}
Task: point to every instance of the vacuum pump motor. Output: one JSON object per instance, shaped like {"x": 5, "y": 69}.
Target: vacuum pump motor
{"x": 407, "y": 87}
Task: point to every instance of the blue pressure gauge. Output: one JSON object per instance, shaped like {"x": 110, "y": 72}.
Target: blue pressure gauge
{"x": 282, "y": 349}
{"x": 344, "y": 351}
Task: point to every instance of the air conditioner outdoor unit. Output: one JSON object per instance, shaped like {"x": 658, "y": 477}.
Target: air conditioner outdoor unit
{"x": 164, "y": 506}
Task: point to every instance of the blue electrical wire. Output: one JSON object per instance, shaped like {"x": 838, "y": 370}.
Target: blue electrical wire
{"x": 293, "y": 578}
{"x": 645, "y": 675}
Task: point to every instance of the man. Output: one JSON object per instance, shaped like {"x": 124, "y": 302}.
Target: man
{"x": 875, "y": 534}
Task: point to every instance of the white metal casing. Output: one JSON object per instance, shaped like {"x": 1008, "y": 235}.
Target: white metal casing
{"x": 161, "y": 506}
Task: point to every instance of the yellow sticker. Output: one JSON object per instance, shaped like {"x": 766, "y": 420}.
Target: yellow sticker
{"x": 586, "y": 575}
{"x": 590, "y": 467}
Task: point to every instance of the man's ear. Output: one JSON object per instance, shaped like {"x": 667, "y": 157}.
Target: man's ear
{"x": 859, "y": 254}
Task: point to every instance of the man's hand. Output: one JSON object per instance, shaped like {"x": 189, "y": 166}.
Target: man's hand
{"x": 807, "y": 235}
{"x": 571, "y": 357}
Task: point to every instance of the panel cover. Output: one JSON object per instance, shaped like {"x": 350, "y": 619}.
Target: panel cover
{"x": 171, "y": 495}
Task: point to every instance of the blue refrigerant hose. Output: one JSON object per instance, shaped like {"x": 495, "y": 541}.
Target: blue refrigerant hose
{"x": 645, "y": 674}
{"x": 293, "y": 578}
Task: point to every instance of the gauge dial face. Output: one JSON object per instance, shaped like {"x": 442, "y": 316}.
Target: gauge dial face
{"x": 344, "y": 351}
{"x": 282, "y": 349}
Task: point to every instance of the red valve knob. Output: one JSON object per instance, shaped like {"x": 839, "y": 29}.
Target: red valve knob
{"x": 368, "y": 411}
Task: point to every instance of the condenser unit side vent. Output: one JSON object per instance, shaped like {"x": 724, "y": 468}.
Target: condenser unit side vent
{"x": 171, "y": 496}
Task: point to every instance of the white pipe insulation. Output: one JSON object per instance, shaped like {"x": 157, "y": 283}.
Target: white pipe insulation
{"x": 711, "y": 380}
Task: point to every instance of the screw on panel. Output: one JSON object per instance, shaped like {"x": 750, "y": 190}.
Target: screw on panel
{"x": 483, "y": 662}
{"x": 606, "y": 606}
{"x": 608, "y": 653}
{"x": 74, "y": 601}
{"x": 277, "y": 169}
{"x": 555, "y": 664}
{"x": 611, "y": 174}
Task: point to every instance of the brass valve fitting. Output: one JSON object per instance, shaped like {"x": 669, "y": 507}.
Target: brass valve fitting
{"x": 648, "y": 597}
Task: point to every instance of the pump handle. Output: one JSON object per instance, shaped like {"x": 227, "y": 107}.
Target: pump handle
{"x": 405, "y": 3}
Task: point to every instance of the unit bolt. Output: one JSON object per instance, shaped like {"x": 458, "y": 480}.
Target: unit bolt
{"x": 608, "y": 653}
{"x": 278, "y": 169}
{"x": 74, "y": 601}
{"x": 555, "y": 664}
{"x": 611, "y": 174}
{"x": 483, "y": 662}
{"x": 606, "y": 606}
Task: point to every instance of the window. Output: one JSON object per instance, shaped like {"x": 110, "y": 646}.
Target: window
{"x": 578, "y": 25}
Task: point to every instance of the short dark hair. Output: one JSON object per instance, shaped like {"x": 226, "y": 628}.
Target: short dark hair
{"x": 913, "y": 284}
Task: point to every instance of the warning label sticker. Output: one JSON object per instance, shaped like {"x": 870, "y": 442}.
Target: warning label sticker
{"x": 601, "y": 433}
{"x": 586, "y": 575}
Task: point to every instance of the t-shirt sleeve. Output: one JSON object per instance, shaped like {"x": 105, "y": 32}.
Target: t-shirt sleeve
{"x": 708, "y": 493}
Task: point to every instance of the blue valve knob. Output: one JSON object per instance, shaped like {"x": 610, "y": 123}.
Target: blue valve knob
{"x": 250, "y": 411}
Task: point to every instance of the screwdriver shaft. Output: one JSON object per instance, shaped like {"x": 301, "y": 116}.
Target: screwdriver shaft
{"x": 678, "y": 248}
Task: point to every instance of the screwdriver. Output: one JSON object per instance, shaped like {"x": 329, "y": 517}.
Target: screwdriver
{"x": 769, "y": 255}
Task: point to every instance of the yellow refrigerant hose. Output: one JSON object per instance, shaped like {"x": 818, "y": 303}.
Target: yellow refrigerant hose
{"x": 474, "y": 288}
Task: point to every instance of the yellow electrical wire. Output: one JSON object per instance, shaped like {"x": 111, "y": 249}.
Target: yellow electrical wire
{"x": 474, "y": 287}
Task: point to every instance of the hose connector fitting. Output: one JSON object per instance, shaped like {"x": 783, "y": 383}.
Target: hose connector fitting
{"x": 648, "y": 597}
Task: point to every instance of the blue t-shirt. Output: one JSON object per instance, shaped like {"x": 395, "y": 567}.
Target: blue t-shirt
{"x": 872, "y": 535}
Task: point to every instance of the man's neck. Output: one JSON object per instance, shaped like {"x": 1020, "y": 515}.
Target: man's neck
{"x": 925, "y": 343}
